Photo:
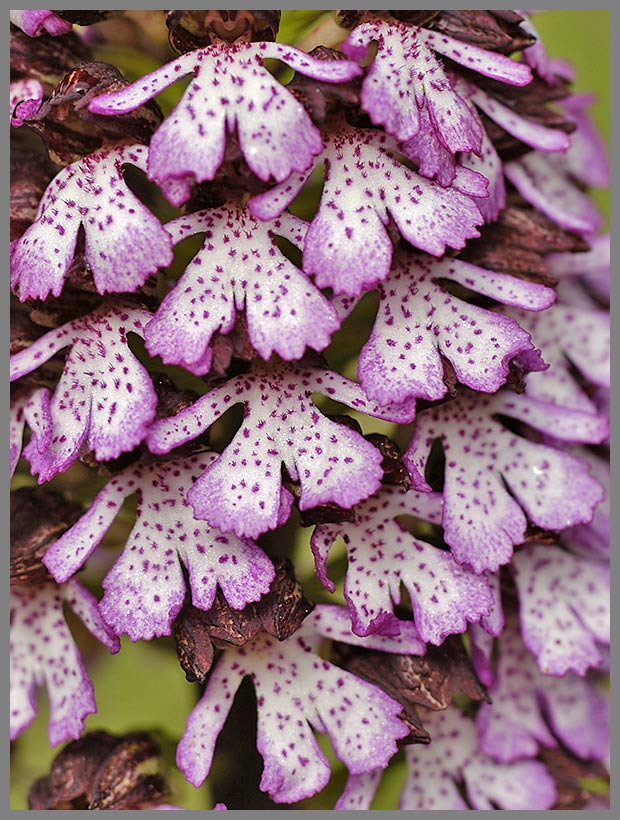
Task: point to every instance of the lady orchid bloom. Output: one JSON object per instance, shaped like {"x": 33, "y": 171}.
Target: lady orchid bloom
{"x": 230, "y": 87}
{"x": 310, "y": 386}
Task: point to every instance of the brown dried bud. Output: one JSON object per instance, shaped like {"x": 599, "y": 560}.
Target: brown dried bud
{"x": 430, "y": 680}
{"x": 279, "y": 613}
{"x": 484, "y": 29}
{"x": 70, "y": 131}
{"x": 190, "y": 29}
{"x": 45, "y": 58}
{"x": 130, "y": 777}
{"x": 191, "y": 631}
{"x": 519, "y": 241}
{"x": 100, "y": 771}
{"x": 23, "y": 331}
{"x": 394, "y": 471}
{"x": 322, "y": 99}
{"x": 38, "y": 518}
{"x": 571, "y": 775}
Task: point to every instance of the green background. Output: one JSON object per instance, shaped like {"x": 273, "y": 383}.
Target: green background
{"x": 142, "y": 687}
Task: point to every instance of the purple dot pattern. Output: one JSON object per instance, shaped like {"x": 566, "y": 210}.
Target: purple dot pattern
{"x": 382, "y": 555}
{"x": 35, "y": 22}
{"x": 104, "y": 400}
{"x": 124, "y": 242}
{"x": 453, "y": 760}
{"x": 359, "y": 792}
{"x": 296, "y": 692}
{"x": 145, "y": 588}
{"x": 564, "y": 607}
{"x": 25, "y": 98}
{"x": 418, "y": 321}
{"x": 544, "y": 181}
{"x": 230, "y": 89}
{"x": 241, "y": 491}
{"x": 482, "y": 521}
{"x": 29, "y": 406}
{"x": 406, "y": 76}
{"x": 363, "y": 185}
{"x": 239, "y": 267}
{"x": 531, "y": 709}
{"x": 43, "y": 653}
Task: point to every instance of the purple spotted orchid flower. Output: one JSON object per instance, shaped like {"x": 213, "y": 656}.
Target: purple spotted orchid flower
{"x": 481, "y": 519}
{"x": 242, "y": 490}
{"x": 231, "y": 87}
{"x": 411, "y": 210}
{"x": 382, "y": 555}
{"x": 419, "y": 321}
{"x": 531, "y": 709}
{"x": 145, "y": 588}
{"x": 454, "y": 773}
{"x": 348, "y": 247}
{"x": 297, "y": 692}
{"x": 124, "y": 242}
{"x": 44, "y": 652}
{"x": 239, "y": 266}
{"x": 105, "y": 398}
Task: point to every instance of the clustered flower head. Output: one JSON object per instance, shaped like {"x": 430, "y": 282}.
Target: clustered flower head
{"x": 310, "y": 381}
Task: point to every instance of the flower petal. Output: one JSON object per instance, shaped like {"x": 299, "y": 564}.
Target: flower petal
{"x": 564, "y": 608}
{"x": 105, "y": 398}
{"x": 124, "y": 242}
{"x": 285, "y": 312}
{"x": 482, "y": 521}
{"x": 382, "y": 556}
{"x": 25, "y": 98}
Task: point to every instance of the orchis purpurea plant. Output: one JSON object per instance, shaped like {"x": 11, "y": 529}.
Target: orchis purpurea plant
{"x": 309, "y": 422}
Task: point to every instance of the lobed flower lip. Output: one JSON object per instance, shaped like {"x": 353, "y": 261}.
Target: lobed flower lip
{"x": 145, "y": 589}
{"x": 348, "y": 247}
{"x": 124, "y": 242}
{"x": 43, "y": 651}
{"x": 242, "y": 490}
{"x": 230, "y": 88}
{"x": 531, "y": 709}
{"x": 105, "y": 398}
{"x": 239, "y": 268}
{"x": 564, "y": 608}
{"x": 481, "y": 520}
{"x": 404, "y": 78}
{"x": 382, "y": 555}
{"x": 419, "y": 321}
{"x": 296, "y": 692}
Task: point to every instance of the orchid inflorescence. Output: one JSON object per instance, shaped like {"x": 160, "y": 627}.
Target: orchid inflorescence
{"x": 346, "y": 332}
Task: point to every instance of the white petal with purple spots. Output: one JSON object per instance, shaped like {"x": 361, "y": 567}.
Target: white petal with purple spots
{"x": 382, "y": 555}
{"x": 105, "y": 398}
{"x": 239, "y": 267}
{"x": 347, "y": 246}
{"x": 43, "y": 652}
{"x": 482, "y": 520}
{"x": 145, "y": 588}
{"x": 124, "y": 242}
{"x": 296, "y": 692}
{"x": 242, "y": 490}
